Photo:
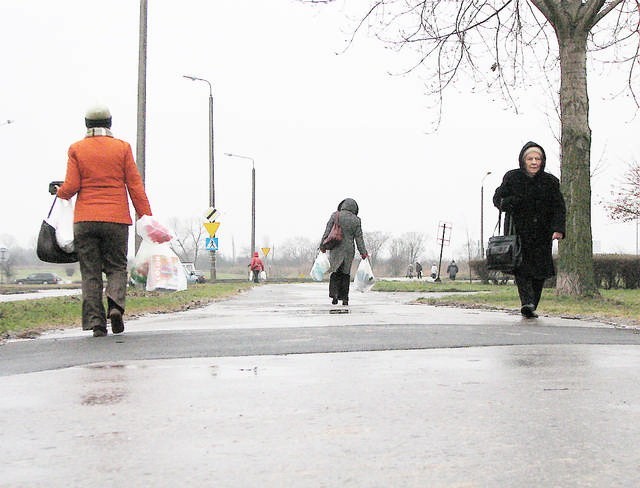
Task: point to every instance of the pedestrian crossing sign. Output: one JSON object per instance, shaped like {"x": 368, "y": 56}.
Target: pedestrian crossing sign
{"x": 211, "y": 243}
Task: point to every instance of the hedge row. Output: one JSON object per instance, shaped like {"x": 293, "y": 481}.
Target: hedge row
{"x": 610, "y": 271}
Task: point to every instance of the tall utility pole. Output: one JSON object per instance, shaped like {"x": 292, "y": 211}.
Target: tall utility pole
{"x": 253, "y": 198}
{"x": 212, "y": 186}
{"x": 142, "y": 98}
{"x": 482, "y": 215}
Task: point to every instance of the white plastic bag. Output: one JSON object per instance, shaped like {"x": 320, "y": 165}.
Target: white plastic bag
{"x": 320, "y": 266}
{"x": 158, "y": 267}
{"x": 263, "y": 275}
{"x": 151, "y": 229}
{"x": 61, "y": 219}
{"x": 364, "y": 279}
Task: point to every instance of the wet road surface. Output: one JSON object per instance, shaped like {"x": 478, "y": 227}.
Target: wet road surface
{"x": 244, "y": 393}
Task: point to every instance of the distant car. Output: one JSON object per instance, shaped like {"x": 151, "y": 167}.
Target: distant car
{"x": 193, "y": 275}
{"x": 40, "y": 279}
{"x": 196, "y": 276}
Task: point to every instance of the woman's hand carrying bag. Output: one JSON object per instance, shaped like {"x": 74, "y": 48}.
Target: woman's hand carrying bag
{"x": 504, "y": 253}
{"x": 335, "y": 234}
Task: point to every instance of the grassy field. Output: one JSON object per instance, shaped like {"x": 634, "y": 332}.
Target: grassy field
{"x": 29, "y": 317}
{"x": 615, "y": 306}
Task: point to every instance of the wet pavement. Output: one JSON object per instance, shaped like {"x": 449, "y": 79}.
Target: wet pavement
{"x": 278, "y": 388}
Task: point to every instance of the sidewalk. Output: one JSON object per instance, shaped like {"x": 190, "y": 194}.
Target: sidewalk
{"x": 493, "y": 416}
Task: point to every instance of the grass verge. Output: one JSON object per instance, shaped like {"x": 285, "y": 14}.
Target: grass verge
{"x": 621, "y": 307}
{"x": 30, "y": 317}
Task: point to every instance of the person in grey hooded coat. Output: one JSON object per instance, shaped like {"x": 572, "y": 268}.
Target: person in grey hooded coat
{"x": 341, "y": 256}
{"x": 531, "y": 197}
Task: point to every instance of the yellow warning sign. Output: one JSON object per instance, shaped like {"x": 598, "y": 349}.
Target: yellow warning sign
{"x": 265, "y": 251}
{"x": 211, "y": 227}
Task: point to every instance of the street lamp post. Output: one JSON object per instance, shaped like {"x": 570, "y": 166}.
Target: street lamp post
{"x": 253, "y": 198}
{"x": 482, "y": 214}
{"x": 212, "y": 189}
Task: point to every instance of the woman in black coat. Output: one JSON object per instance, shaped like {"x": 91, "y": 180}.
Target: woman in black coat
{"x": 341, "y": 256}
{"x": 531, "y": 198}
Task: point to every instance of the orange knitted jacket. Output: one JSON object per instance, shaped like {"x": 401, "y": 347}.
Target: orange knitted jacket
{"x": 101, "y": 170}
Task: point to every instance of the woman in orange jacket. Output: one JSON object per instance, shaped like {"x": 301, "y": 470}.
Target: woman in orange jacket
{"x": 102, "y": 173}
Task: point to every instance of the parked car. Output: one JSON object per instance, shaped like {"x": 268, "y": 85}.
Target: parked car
{"x": 40, "y": 279}
{"x": 193, "y": 275}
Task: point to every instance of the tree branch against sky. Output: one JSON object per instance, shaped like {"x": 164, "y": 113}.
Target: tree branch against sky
{"x": 512, "y": 46}
{"x": 625, "y": 199}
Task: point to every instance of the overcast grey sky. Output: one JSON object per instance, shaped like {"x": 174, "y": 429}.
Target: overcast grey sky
{"x": 321, "y": 126}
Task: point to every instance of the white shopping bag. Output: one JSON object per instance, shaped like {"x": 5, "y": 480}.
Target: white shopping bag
{"x": 364, "y": 279}
{"x": 320, "y": 266}
{"x": 151, "y": 229}
{"x": 61, "y": 219}
{"x": 158, "y": 267}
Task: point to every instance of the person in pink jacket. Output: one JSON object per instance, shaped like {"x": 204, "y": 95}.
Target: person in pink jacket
{"x": 256, "y": 266}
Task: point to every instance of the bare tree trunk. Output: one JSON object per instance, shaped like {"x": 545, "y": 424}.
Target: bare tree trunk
{"x": 575, "y": 275}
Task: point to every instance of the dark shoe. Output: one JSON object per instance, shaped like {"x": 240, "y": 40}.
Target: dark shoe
{"x": 528, "y": 312}
{"x": 99, "y": 331}
{"x": 117, "y": 324}
{"x": 345, "y": 302}
{"x": 334, "y": 301}
{"x": 87, "y": 327}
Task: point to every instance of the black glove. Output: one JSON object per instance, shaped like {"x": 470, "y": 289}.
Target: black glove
{"x": 510, "y": 204}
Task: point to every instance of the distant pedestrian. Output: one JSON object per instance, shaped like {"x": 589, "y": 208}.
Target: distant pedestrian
{"x": 256, "y": 266}
{"x": 434, "y": 271}
{"x": 409, "y": 271}
{"x": 418, "y": 270}
{"x": 531, "y": 197}
{"x": 102, "y": 172}
{"x": 452, "y": 269}
{"x": 341, "y": 256}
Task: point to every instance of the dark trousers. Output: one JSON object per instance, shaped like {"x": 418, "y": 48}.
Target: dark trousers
{"x": 339, "y": 285}
{"x": 256, "y": 275}
{"x": 529, "y": 289}
{"x": 102, "y": 247}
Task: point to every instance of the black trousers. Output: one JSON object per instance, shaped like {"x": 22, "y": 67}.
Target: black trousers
{"x": 256, "y": 275}
{"x": 529, "y": 289}
{"x": 102, "y": 247}
{"x": 339, "y": 285}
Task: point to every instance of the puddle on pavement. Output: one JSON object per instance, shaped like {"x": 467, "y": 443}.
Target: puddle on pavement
{"x": 107, "y": 397}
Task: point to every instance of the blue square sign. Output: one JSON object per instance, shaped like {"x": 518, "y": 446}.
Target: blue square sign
{"x": 211, "y": 244}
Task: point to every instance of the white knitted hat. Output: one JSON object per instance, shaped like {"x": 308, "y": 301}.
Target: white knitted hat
{"x": 98, "y": 112}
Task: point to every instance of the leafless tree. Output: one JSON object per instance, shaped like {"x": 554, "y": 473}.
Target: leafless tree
{"x": 413, "y": 243}
{"x": 404, "y": 250}
{"x": 189, "y": 238}
{"x": 625, "y": 199}
{"x": 298, "y": 251}
{"x": 375, "y": 242}
{"x": 495, "y": 45}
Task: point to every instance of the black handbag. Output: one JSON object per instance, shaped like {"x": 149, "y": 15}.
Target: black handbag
{"x": 48, "y": 249}
{"x": 335, "y": 235}
{"x": 504, "y": 253}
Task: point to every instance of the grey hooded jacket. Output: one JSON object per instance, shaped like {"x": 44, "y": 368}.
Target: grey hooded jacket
{"x": 341, "y": 257}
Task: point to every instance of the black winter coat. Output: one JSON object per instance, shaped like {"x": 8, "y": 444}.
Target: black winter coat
{"x": 537, "y": 208}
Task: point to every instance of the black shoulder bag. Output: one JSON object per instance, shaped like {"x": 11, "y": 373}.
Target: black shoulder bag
{"x": 504, "y": 253}
{"x": 48, "y": 249}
